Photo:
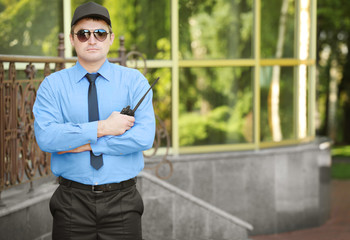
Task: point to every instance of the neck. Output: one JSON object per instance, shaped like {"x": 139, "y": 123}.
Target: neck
{"x": 91, "y": 67}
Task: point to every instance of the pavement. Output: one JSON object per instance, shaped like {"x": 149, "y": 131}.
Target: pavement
{"x": 336, "y": 228}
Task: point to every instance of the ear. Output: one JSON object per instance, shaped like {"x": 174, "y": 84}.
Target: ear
{"x": 71, "y": 39}
{"x": 111, "y": 39}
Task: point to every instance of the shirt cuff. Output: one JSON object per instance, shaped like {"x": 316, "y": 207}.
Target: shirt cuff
{"x": 91, "y": 132}
{"x": 98, "y": 147}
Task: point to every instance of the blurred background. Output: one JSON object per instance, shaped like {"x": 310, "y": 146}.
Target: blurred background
{"x": 237, "y": 78}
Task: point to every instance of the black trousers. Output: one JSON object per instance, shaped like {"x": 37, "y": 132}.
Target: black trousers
{"x": 84, "y": 215}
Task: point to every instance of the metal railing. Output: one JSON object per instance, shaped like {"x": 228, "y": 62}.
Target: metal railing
{"x": 21, "y": 160}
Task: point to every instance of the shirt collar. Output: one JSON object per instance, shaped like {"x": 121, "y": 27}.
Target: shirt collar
{"x": 104, "y": 71}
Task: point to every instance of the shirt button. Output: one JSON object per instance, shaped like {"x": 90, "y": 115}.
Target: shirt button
{"x": 70, "y": 146}
{"x": 89, "y": 141}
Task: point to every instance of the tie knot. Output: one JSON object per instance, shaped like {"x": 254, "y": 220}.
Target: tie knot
{"x": 91, "y": 77}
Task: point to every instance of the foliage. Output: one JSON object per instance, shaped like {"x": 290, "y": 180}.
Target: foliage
{"x": 220, "y": 97}
{"x": 341, "y": 151}
{"x": 142, "y": 23}
{"x": 192, "y": 129}
{"x": 341, "y": 162}
{"x": 340, "y": 170}
{"x": 270, "y": 15}
{"x": 162, "y": 90}
{"x": 30, "y": 27}
{"x": 333, "y": 42}
{"x": 215, "y": 29}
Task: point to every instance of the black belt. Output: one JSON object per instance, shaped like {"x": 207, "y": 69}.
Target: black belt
{"x": 98, "y": 188}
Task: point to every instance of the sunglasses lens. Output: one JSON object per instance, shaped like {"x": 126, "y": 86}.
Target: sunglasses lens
{"x": 100, "y": 34}
{"x": 83, "y": 35}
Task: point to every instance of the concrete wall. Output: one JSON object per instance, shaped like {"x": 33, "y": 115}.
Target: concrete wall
{"x": 276, "y": 190}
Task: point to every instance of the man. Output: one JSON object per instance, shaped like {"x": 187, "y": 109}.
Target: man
{"x": 96, "y": 150}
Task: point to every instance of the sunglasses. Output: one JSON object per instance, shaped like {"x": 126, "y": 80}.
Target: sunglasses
{"x": 84, "y": 34}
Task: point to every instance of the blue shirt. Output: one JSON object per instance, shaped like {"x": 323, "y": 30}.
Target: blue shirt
{"x": 61, "y": 123}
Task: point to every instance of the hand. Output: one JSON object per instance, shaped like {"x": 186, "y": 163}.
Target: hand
{"x": 116, "y": 124}
{"x": 83, "y": 148}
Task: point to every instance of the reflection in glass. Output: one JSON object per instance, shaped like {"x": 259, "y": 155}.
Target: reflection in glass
{"x": 220, "y": 29}
{"x": 277, "y": 28}
{"x": 215, "y": 106}
{"x": 277, "y": 115}
{"x": 304, "y": 42}
{"x": 30, "y": 27}
{"x": 144, "y": 24}
{"x": 162, "y": 95}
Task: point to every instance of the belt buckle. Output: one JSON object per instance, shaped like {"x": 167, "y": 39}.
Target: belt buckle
{"x": 95, "y": 191}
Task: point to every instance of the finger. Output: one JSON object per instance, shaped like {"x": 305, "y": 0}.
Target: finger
{"x": 129, "y": 118}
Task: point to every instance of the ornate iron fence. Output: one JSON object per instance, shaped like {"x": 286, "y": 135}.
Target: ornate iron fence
{"x": 21, "y": 160}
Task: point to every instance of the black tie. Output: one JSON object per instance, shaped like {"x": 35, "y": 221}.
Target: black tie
{"x": 95, "y": 161}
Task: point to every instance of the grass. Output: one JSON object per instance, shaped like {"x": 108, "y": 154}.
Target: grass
{"x": 341, "y": 151}
{"x": 340, "y": 169}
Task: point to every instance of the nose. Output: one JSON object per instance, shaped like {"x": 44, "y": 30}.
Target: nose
{"x": 92, "y": 39}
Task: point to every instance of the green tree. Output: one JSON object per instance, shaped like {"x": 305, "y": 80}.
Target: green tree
{"x": 215, "y": 99}
{"x": 30, "y": 27}
{"x": 333, "y": 44}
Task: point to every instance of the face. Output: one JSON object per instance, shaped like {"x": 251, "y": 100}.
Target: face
{"x": 92, "y": 51}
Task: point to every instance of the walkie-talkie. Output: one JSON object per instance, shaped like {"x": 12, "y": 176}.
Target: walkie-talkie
{"x": 128, "y": 111}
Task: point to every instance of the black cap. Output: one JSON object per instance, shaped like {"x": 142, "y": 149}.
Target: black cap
{"x": 91, "y": 9}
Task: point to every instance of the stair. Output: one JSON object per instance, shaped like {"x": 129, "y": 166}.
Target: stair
{"x": 173, "y": 214}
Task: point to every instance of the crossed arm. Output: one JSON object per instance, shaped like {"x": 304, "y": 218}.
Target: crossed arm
{"x": 116, "y": 124}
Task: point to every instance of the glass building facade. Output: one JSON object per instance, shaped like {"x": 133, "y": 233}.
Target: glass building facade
{"x": 234, "y": 74}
